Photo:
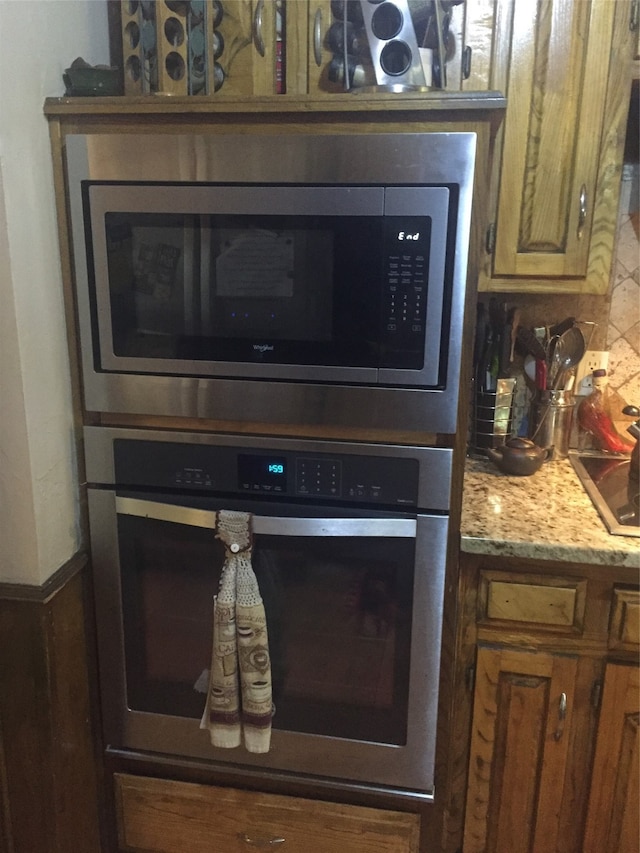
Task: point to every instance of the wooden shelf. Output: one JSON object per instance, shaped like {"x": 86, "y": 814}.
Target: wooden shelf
{"x": 168, "y": 105}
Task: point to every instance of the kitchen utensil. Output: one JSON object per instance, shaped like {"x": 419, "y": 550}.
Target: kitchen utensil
{"x": 479, "y": 345}
{"x": 541, "y": 374}
{"x": 529, "y": 343}
{"x": 515, "y": 324}
{"x": 507, "y": 341}
{"x": 567, "y": 352}
{"x": 519, "y": 457}
{"x": 562, "y": 326}
{"x": 530, "y": 367}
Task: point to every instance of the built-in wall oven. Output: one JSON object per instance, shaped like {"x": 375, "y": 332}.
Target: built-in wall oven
{"x": 349, "y": 552}
{"x": 290, "y": 277}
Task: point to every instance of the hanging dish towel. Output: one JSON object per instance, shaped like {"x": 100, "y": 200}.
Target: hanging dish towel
{"x": 239, "y": 697}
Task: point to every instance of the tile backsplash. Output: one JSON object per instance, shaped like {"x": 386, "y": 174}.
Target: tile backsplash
{"x": 623, "y": 327}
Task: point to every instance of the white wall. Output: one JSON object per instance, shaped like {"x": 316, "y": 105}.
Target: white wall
{"x": 39, "y": 529}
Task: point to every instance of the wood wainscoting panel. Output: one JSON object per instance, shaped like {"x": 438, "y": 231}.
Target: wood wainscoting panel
{"x": 48, "y": 766}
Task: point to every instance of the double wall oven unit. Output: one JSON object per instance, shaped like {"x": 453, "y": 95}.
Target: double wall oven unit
{"x": 294, "y": 278}
{"x": 282, "y": 278}
{"x": 349, "y": 552}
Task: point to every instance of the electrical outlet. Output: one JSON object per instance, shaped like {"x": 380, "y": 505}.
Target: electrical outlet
{"x": 591, "y": 361}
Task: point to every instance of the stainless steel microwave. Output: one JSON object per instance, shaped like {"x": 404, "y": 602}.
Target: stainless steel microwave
{"x": 278, "y": 278}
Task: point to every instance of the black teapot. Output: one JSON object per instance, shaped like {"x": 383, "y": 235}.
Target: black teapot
{"x": 519, "y": 457}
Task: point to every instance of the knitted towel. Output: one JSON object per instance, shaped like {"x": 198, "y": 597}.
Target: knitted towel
{"x": 239, "y": 696}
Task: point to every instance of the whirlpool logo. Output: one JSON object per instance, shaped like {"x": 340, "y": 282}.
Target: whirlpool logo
{"x": 262, "y": 348}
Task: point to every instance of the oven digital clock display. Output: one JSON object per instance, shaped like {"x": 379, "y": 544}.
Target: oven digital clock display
{"x": 262, "y": 473}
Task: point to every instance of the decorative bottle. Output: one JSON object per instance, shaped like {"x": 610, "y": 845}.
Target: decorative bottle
{"x": 595, "y": 418}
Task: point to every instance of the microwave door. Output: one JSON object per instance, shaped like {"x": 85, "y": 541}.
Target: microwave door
{"x": 151, "y": 296}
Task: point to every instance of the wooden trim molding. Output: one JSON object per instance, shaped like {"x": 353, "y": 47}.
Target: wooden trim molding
{"x": 49, "y": 778}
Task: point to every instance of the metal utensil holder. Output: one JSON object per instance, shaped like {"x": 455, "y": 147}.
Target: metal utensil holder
{"x": 491, "y": 421}
{"x": 552, "y": 420}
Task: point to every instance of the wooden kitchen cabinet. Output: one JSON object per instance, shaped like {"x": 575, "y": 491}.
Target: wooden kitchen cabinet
{"x": 612, "y": 819}
{"x": 166, "y": 816}
{"x": 566, "y": 70}
{"x": 521, "y": 719}
{"x": 248, "y": 60}
{"x": 169, "y": 48}
{"x": 309, "y": 54}
{"x": 548, "y": 686}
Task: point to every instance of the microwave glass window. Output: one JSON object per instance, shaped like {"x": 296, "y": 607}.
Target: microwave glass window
{"x": 280, "y": 289}
{"x": 272, "y": 281}
{"x": 339, "y": 623}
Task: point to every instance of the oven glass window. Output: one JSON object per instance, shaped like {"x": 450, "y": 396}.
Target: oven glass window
{"x": 301, "y": 289}
{"x": 339, "y": 623}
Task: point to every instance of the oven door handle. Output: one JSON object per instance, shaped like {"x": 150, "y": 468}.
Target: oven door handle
{"x": 402, "y": 528}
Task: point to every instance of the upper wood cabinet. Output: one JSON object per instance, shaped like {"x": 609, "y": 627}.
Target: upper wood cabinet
{"x": 566, "y": 70}
{"x": 308, "y": 52}
{"x": 198, "y": 48}
{"x": 469, "y": 31}
{"x": 249, "y": 47}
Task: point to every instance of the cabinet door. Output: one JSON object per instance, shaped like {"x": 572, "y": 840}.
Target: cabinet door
{"x": 557, "y": 80}
{"x": 318, "y": 53}
{"x": 484, "y": 35}
{"x": 554, "y": 193}
{"x": 519, "y": 747}
{"x": 612, "y": 818}
{"x": 248, "y": 60}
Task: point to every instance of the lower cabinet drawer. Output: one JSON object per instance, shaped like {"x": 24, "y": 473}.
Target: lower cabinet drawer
{"x": 550, "y": 603}
{"x": 163, "y": 816}
{"x": 624, "y": 630}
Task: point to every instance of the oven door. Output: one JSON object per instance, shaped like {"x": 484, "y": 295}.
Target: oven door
{"x": 354, "y": 613}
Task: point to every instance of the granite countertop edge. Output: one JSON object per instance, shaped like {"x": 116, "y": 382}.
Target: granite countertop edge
{"x": 547, "y": 516}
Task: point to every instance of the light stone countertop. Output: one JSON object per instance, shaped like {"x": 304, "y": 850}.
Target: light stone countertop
{"x": 547, "y": 516}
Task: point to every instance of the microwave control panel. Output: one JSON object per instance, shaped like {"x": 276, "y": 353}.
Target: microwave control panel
{"x": 405, "y": 293}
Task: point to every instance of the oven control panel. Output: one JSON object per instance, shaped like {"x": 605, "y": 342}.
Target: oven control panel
{"x": 367, "y": 479}
{"x": 357, "y": 478}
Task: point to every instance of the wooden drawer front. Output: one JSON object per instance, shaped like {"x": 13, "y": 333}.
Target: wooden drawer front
{"x": 624, "y": 631}
{"x": 164, "y": 816}
{"x": 543, "y": 601}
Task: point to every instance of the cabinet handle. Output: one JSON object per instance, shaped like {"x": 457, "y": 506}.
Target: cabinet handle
{"x": 260, "y": 842}
{"x": 257, "y": 28}
{"x": 317, "y": 38}
{"x": 582, "y": 211}
{"x": 562, "y": 714}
